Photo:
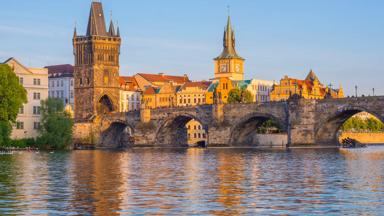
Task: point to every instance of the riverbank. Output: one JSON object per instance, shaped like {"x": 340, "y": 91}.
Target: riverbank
{"x": 366, "y": 138}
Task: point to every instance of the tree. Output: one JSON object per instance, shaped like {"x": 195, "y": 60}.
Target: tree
{"x": 238, "y": 95}
{"x": 234, "y": 96}
{"x": 12, "y": 97}
{"x": 56, "y": 128}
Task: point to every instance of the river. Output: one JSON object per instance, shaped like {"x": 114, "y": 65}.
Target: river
{"x": 215, "y": 181}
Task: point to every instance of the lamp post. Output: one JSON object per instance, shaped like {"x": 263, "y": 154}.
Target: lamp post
{"x": 355, "y": 90}
{"x": 373, "y": 91}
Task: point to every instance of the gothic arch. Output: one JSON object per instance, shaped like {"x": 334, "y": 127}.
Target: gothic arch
{"x": 172, "y": 131}
{"x": 119, "y": 134}
{"x": 327, "y": 130}
{"x": 105, "y": 105}
{"x": 243, "y": 131}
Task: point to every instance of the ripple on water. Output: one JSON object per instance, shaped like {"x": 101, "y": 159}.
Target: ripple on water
{"x": 194, "y": 181}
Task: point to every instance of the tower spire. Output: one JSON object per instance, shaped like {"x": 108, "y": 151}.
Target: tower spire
{"x": 96, "y": 21}
{"x": 229, "y": 50}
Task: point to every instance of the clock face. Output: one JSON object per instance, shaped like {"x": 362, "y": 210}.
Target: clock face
{"x": 223, "y": 68}
{"x": 237, "y": 68}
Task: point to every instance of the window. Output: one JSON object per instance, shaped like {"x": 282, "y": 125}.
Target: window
{"x": 21, "y": 80}
{"x": 62, "y": 83}
{"x": 194, "y": 135}
{"x": 71, "y": 94}
{"x": 71, "y": 82}
{"x": 19, "y": 125}
{"x": 36, "y": 95}
{"x": 57, "y": 94}
{"x": 194, "y": 127}
{"x": 36, "y": 81}
{"x": 199, "y": 135}
{"x": 36, "y": 125}
{"x": 21, "y": 110}
{"x": 36, "y": 110}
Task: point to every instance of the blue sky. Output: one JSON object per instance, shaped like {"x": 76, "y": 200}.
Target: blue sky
{"x": 341, "y": 40}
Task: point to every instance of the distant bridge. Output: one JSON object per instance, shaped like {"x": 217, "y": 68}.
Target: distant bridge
{"x": 304, "y": 121}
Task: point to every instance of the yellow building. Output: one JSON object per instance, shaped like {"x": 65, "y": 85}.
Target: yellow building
{"x": 164, "y": 96}
{"x": 192, "y": 93}
{"x": 228, "y": 64}
{"x": 310, "y": 88}
{"x": 223, "y": 86}
{"x": 196, "y": 132}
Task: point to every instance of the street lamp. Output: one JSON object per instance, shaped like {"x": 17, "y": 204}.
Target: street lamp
{"x": 373, "y": 91}
{"x": 356, "y": 90}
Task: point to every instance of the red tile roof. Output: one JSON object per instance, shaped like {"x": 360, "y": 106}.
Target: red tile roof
{"x": 150, "y": 90}
{"x": 201, "y": 84}
{"x": 128, "y": 83}
{"x": 164, "y": 78}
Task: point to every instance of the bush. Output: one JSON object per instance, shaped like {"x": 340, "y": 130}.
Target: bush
{"x": 5, "y": 132}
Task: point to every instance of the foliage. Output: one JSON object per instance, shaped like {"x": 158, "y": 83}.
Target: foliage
{"x": 12, "y": 94}
{"x": 269, "y": 126}
{"x": 5, "y": 132}
{"x": 238, "y": 95}
{"x": 363, "y": 125}
{"x": 56, "y": 127}
{"x": 12, "y": 97}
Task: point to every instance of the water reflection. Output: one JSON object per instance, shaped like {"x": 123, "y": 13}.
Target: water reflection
{"x": 193, "y": 181}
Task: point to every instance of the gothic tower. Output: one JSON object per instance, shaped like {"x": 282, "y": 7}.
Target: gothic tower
{"x": 228, "y": 63}
{"x": 96, "y": 67}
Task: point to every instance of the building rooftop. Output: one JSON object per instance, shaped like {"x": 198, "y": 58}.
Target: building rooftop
{"x": 64, "y": 70}
{"x": 164, "y": 78}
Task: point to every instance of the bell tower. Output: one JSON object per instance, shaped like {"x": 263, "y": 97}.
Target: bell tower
{"x": 228, "y": 63}
{"x": 96, "y": 72}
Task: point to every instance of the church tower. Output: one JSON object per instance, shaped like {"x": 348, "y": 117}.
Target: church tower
{"x": 96, "y": 72}
{"x": 228, "y": 63}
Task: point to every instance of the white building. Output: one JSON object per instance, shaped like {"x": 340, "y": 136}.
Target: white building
{"x": 35, "y": 82}
{"x": 61, "y": 84}
{"x": 130, "y": 95}
{"x": 260, "y": 89}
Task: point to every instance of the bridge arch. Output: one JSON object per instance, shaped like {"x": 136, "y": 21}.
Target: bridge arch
{"x": 327, "y": 130}
{"x": 246, "y": 131}
{"x": 118, "y": 135}
{"x": 105, "y": 105}
{"x": 173, "y": 132}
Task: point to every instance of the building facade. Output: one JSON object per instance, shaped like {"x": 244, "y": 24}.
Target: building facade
{"x": 35, "y": 82}
{"x": 196, "y": 133}
{"x": 61, "y": 83}
{"x": 260, "y": 90}
{"x": 229, "y": 64}
{"x": 96, "y": 73}
{"x": 192, "y": 93}
{"x": 309, "y": 88}
{"x": 130, "y": 95}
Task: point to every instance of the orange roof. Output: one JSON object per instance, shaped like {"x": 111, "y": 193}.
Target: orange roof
{"x": 164, "y": 78}
{"x": 201, "y": 84}
{"x": 128, "y": 83}
{"x": 150, "y": 90}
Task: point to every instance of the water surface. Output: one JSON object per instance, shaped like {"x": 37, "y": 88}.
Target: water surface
{"x": 194, "y": 181}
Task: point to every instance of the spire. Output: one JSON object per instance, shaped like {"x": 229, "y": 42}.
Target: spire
{"x": 111, "y": 31}
{"x": 75, "y": 32}
{"x": 96, "y": 22}
{"x": 311, "y": 76}
{"x": 118, "y": 32}
{"x": 229, "y": 50}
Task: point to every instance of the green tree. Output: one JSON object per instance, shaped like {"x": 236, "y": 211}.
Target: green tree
{"x": 363, "y": 125}
{"x": 56, "y": 128}
{"x": 234, "y": 96}
{"x": 238, "y": 95}
{"x": 12, "y": 97}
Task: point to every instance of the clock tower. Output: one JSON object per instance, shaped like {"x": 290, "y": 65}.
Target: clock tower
{"x": 228, "y": 63}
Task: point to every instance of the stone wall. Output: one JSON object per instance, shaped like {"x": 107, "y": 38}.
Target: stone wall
{"x": 83, "y": 133}
{"x": 367, "y": 138}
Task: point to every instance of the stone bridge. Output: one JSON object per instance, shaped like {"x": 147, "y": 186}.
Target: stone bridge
{"x": 303, "y": 121}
